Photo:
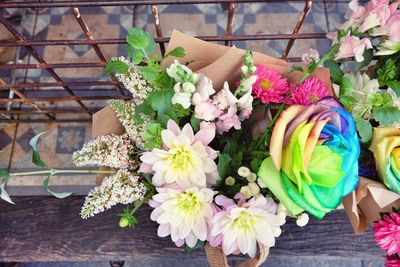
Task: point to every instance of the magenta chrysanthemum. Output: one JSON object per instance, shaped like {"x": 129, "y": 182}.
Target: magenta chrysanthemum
{"x": 387, "y": 233}
{"x": 392, "y": 261}
{"x": 308, "y": 92}
{"x": 270, "y": 85}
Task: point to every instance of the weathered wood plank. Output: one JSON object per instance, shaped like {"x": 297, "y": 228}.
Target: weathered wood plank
{"x": 49, "y": 229}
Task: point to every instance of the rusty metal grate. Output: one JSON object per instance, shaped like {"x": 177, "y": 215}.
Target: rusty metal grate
{"x": 15, "y": 105}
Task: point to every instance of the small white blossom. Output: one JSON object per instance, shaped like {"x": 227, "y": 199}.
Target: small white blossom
{"x": 124, "y": 187}
{"x": 255, "y": 189}
{"x": 110, "y": 151}
{"x": 230, "y": 180}
{"x": 244, "y": 171}
{"x": 252, "y": 177}
{"x": 246, "y": 191}
{"x": 302, "y": 220}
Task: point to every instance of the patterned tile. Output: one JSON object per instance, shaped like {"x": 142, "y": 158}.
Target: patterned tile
{"x": 70, "y": 139}
{"x": 7, "y": 131}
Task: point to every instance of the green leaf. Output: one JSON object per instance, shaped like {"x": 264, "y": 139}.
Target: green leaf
{"x": 346, "y": 87}
{"x": 395, "y": 86}
{"x": 237, "y": 160}
{"x": 57, "y": 195}
{"x": 4, "y": 175}
{"x": 348, "y": 101}
{"x": 136, "y": 55}
{"x": 36, "y": 159}
{"x": 199, "y": 245}
{"x": 116, "y": 66}
{"x": 386, "y": 115}
{"x": 223, "y": 166}
{"x": 4, "y": 195}
{"x": 176, "y": 52}
{"x": 297, "y": 68}
{"x": 364, "y": 129}
{"x": 137, "y": 38}
{"x": 149, "y": 73}
{"x": 160, "y": 100}
{"x": 195, "y": 122}
{"x": 152, "y": 135}
{"x": 336, "y": 72}
{"x": 368, "y": 55}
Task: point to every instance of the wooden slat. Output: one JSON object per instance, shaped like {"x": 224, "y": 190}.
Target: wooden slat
{"x": 49, "y": 229}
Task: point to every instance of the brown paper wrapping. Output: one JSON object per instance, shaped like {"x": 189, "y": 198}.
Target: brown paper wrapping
{"x": 217, "y": 258}
{"x": 365, "y": 204}
{"x": 217, "y": 62}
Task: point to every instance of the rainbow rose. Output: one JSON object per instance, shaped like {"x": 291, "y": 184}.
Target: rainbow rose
{"x": 313, "y": 159}
{"x": 386, "y": 148}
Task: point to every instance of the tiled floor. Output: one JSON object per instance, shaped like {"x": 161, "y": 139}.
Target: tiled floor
{"x": 113, "y": 22}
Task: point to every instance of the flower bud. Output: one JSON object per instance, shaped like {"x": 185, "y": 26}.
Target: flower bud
{"x": 302, "y": 220}
{"x": 123, "y": 222}
{"x": 230, "y": 180}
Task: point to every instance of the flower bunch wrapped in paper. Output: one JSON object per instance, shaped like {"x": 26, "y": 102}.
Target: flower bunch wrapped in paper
{"x": 224, "y": 144}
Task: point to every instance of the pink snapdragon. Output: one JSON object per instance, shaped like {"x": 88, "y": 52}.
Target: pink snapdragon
{"x": 270, "y": 86}
{"x": 387, "y": 233}
{"x": 352, "y": 46}
{"x": 377, "y": 14}
{"x": 228, "y": 120}
{"x": 354, "y": 16}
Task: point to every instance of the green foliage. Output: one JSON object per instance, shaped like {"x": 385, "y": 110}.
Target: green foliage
{"x": 116, "y": 66}
{"x": 386, "y": 115}
{"x": 195, "y": 122}
{"x": 4, "y": 175}
{"x": 176, "y": 52}
{"x": 152, "y": 135}
{"x": 150, "y": 73}
{"x": 387, "y": 71}
{"x": 364, "y": 129}
{"x": 395, "y": 86}
{"x": 335, "y": 71}
{"x": 368, "y": 56}
{"x": 223, "y": 166}
{"x": 57, "y": 195}
{"x": 199, "y": 245}
{"x": 379, "y": 100}
{"x": 141, "y": 40}
{"x": 36, "y": 159}
{"x": 160, "y": 100}
{"x": 135, "y": 54}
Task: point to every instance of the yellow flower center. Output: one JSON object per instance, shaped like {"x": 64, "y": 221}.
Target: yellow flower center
{"x": 313, "y": 98}
{"x": 188, "y": 202}
{"x": 181, "y": 158}
{"x": 265, "y": 84}
{"x": 244, "y": 221}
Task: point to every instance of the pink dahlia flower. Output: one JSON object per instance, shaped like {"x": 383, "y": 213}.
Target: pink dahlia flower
{"x": 387, "y": 233}
{"x": 308, "y": 92}
{"x": 270, "y": 85}
{"x": 239, "y": 226}
{"x": 185, "y": 159}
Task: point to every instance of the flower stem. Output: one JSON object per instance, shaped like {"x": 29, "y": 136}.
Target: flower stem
{"x": 269, "y": 128}
{"x": 53, "y": 171}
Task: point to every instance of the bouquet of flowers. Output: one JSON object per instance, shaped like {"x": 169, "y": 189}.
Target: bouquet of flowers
{"x": 226, "y": 145}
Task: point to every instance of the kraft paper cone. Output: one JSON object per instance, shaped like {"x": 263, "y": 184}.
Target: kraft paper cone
{"x": 105, "y": 122}
{"x": 202, "y": 54}
{"x": 365, "y": 204}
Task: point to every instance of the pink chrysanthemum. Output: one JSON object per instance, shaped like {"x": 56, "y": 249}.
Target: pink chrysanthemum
{"x": 387, "y": 233}
{"x": 392, "y": 261}
{"x": 308, "y": 92}
{"x": 270, "y": 85}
